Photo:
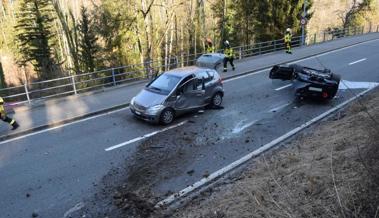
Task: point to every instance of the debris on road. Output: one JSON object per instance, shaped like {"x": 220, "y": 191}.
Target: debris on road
{"x": 191, "y": 172}
{"x": 330, "y": 170}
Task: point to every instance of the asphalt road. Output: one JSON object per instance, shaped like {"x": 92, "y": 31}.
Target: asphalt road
{"x": 54, "y": 171}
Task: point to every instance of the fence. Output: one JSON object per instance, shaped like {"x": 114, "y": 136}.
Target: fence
{"x": 120, "y": 75}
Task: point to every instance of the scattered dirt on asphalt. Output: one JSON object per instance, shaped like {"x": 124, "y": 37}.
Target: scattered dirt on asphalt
{"x": 329, "y": 170}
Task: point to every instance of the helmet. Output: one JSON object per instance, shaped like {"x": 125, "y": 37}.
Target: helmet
{"x": 226, "y": 43}
{"x": 288, "y": 30}
{"x": 209, "y": 41}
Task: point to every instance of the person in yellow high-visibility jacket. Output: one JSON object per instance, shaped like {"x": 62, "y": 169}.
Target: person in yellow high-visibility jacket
{"x": 209, "y": 46}
{"x": 229, "y": 56}
{"x": 5, "y": 118}
{"x": 287, "y": 41}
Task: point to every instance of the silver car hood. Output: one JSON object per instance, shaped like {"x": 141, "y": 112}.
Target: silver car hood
{"x": 148, "y": 99}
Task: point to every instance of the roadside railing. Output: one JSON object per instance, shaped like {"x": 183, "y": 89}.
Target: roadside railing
{"x": 74, "y": 84}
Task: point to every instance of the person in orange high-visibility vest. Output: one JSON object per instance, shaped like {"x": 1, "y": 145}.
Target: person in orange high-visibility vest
{"x": 209, "y": 46}
{"x": 5, "y": 118}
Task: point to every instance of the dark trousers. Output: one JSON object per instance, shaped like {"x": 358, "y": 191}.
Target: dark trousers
{"x": 6, "y": 119}
{"x": 230, "y": 60}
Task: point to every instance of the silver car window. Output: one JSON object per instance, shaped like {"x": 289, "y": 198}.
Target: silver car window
{"x": 202, "y": 75}
{"x": 165, "y": 83}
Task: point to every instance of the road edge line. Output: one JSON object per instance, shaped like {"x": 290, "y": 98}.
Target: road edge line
{"x": 62, "y": 122}
{"x": 205, "y": 181}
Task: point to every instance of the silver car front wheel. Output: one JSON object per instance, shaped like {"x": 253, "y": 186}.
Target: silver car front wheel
{"x": 167, "y": 116}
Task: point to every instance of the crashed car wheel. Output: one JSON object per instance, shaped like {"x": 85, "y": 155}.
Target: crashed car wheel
{"x": 167, "y": 116}
{"x": 333, "y": 91}
{"x": 216, "y": 99}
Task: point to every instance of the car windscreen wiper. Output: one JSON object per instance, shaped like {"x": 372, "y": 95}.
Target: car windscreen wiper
{"x": 155, "y": 88}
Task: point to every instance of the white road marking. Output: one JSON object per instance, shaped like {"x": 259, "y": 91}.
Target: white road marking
{"x": 61, "y": 126}
{"x": 283, "y": 87}
{"x": 334, "y": 51}
{"x": 358, "y": 61}
{"x": 279, "y": 107}
{"x": 249, "y": 156}
{"x": 301, "y": 60}
{"x": 344, "y": 84}
{"x": 240, "y": 127}
{"x": 225, "y": 81}
{"x": 144, "y": 137}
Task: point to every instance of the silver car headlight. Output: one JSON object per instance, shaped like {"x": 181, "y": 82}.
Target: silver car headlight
{"x": 154, "y": 110}
{"x": 132, "y": 101}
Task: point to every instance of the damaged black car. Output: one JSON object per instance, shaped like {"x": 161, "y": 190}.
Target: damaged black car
{"x": 308, "y": 82}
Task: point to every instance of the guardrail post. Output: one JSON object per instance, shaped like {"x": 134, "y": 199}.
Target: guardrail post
{"x": 314, "y": 38}
{"x": 240, "y": 51}
{"x": 73, "y": 84}
{"x": 259, "y": 49}
{"x": 113, "y": 77}
{"x": 274, "y": 45}
{"x": 377, "y": 28}
{"x": 324, "y": 36}
{"x": 27, "y": 92}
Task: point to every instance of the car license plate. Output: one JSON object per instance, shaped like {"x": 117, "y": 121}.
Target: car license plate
{"x": 315, "y": 89}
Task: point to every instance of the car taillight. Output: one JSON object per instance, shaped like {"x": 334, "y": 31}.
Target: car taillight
{"x": 325, "y": 95}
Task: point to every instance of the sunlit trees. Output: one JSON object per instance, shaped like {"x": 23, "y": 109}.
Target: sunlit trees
{"x": 34, "y": 35}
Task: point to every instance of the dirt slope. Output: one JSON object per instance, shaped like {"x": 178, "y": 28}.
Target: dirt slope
{"x": 330, "y": 170}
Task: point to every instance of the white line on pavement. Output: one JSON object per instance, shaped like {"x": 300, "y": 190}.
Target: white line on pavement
{"x": 249, "y": 156}
{"x": 246, "y": 75}
{"x": 358, "y": 61}
{"x": 144, "y": 137}
{"x": 61, "y": 126}
{"x": 300, "y": 60}
{"x": 283, "y": 87}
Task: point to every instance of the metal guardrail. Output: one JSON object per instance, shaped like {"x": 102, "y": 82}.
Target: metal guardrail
{"x": 75, "y": 84}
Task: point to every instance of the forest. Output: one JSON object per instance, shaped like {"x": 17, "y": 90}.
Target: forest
{"x": 47, "y": 39}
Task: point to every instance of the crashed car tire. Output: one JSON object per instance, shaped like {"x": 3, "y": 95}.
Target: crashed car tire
{"x": 308, "y": 82}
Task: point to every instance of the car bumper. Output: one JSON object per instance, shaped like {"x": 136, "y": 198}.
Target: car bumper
{"x": 143, "y": 116}
{"x": 316, "y": 92}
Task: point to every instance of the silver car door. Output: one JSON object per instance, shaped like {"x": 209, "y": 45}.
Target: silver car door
{"x": 189, "y": 96}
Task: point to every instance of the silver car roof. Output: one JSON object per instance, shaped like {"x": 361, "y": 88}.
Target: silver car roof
{"x": 185, "y": 71}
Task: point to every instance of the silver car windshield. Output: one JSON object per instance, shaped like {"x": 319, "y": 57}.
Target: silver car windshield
{"x": 164, "y": 84}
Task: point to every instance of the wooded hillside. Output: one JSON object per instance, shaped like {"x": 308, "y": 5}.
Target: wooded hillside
{"x": 45, "y": 39}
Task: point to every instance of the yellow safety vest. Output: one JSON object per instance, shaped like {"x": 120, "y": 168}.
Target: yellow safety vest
{"x": 287, "y": 38}
{"x": 2, "y": 109}
{"x": 210, "y": 49}
{"x": 229, "y": 52}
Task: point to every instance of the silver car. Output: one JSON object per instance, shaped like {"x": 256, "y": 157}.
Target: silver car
{"x": 177, "y": 92}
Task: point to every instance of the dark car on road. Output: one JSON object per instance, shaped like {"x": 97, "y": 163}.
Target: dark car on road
{"x": 176, "y": 92}
{"x": 308, "y": 82}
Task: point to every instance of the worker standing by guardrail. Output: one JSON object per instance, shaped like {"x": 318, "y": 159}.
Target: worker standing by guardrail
{"x": 5, "y": 118}
{"x": 229, "y": 56}
{"x": 209, "y": 46}
{"x": 287, "y": 41}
